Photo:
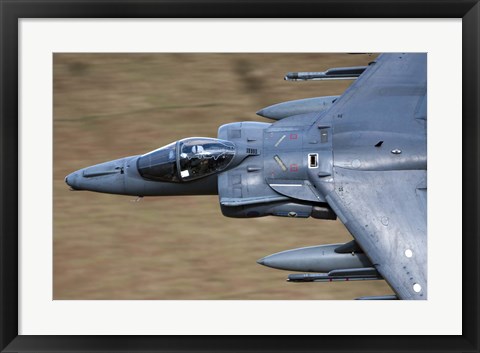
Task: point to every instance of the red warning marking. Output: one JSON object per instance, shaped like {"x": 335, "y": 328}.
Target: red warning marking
{"x": 294, "y": 167}
{"x": 293, "y": 136}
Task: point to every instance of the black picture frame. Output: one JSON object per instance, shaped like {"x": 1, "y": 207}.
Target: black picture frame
{"x": 13, "y": 10}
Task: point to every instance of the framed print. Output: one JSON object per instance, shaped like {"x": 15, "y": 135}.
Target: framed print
{"x": 86, "y": 85}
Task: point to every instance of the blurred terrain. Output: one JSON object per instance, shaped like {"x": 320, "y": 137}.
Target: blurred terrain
{"x": 108, "y": 106}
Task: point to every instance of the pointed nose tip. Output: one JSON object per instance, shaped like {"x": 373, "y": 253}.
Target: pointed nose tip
{"x": 261, "y": 261}
{"x": 70, "y": 180}
{"x": 274, "y": 261}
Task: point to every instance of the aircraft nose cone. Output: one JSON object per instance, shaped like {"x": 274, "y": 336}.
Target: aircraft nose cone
{"x": 71, "y": 180}
{"x": 105, "y": 177}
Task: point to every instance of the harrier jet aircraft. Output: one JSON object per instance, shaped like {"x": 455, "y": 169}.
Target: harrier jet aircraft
{"x": 360, "y": 157}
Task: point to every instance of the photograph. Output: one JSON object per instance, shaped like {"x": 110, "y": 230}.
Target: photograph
{"x": 239, "y": 176}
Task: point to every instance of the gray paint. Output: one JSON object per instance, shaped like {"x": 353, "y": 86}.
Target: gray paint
{"x": 339, "y": 73}
{"x": 380, "y": 196}
{"x": 300, "y": 106}
{"x": 362, "y": 158}
{"x": 349, "y": 274}
{"x": 121, "y": 177}
{"x": 321, "y": 258}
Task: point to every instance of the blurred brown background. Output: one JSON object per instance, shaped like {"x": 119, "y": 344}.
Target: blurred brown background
{"x": 108, "y": 106}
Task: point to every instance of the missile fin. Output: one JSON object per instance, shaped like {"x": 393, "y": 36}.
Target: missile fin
{"x": 350, "y": 247}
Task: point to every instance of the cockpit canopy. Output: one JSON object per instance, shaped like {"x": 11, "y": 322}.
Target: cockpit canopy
{"x": 186, "y": 160}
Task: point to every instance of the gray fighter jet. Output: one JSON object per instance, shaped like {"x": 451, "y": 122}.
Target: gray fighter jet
{"x": 361, "y": 157}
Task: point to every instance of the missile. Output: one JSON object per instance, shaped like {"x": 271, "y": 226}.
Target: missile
{"x": 322, "y": 258}
{"x": 379, "y": 297}
{"x": 338, "y": 73}
{"x": 351, "y": 274}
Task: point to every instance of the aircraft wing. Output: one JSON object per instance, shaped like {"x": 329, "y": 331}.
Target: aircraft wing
{"x": 380, "y": 170}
